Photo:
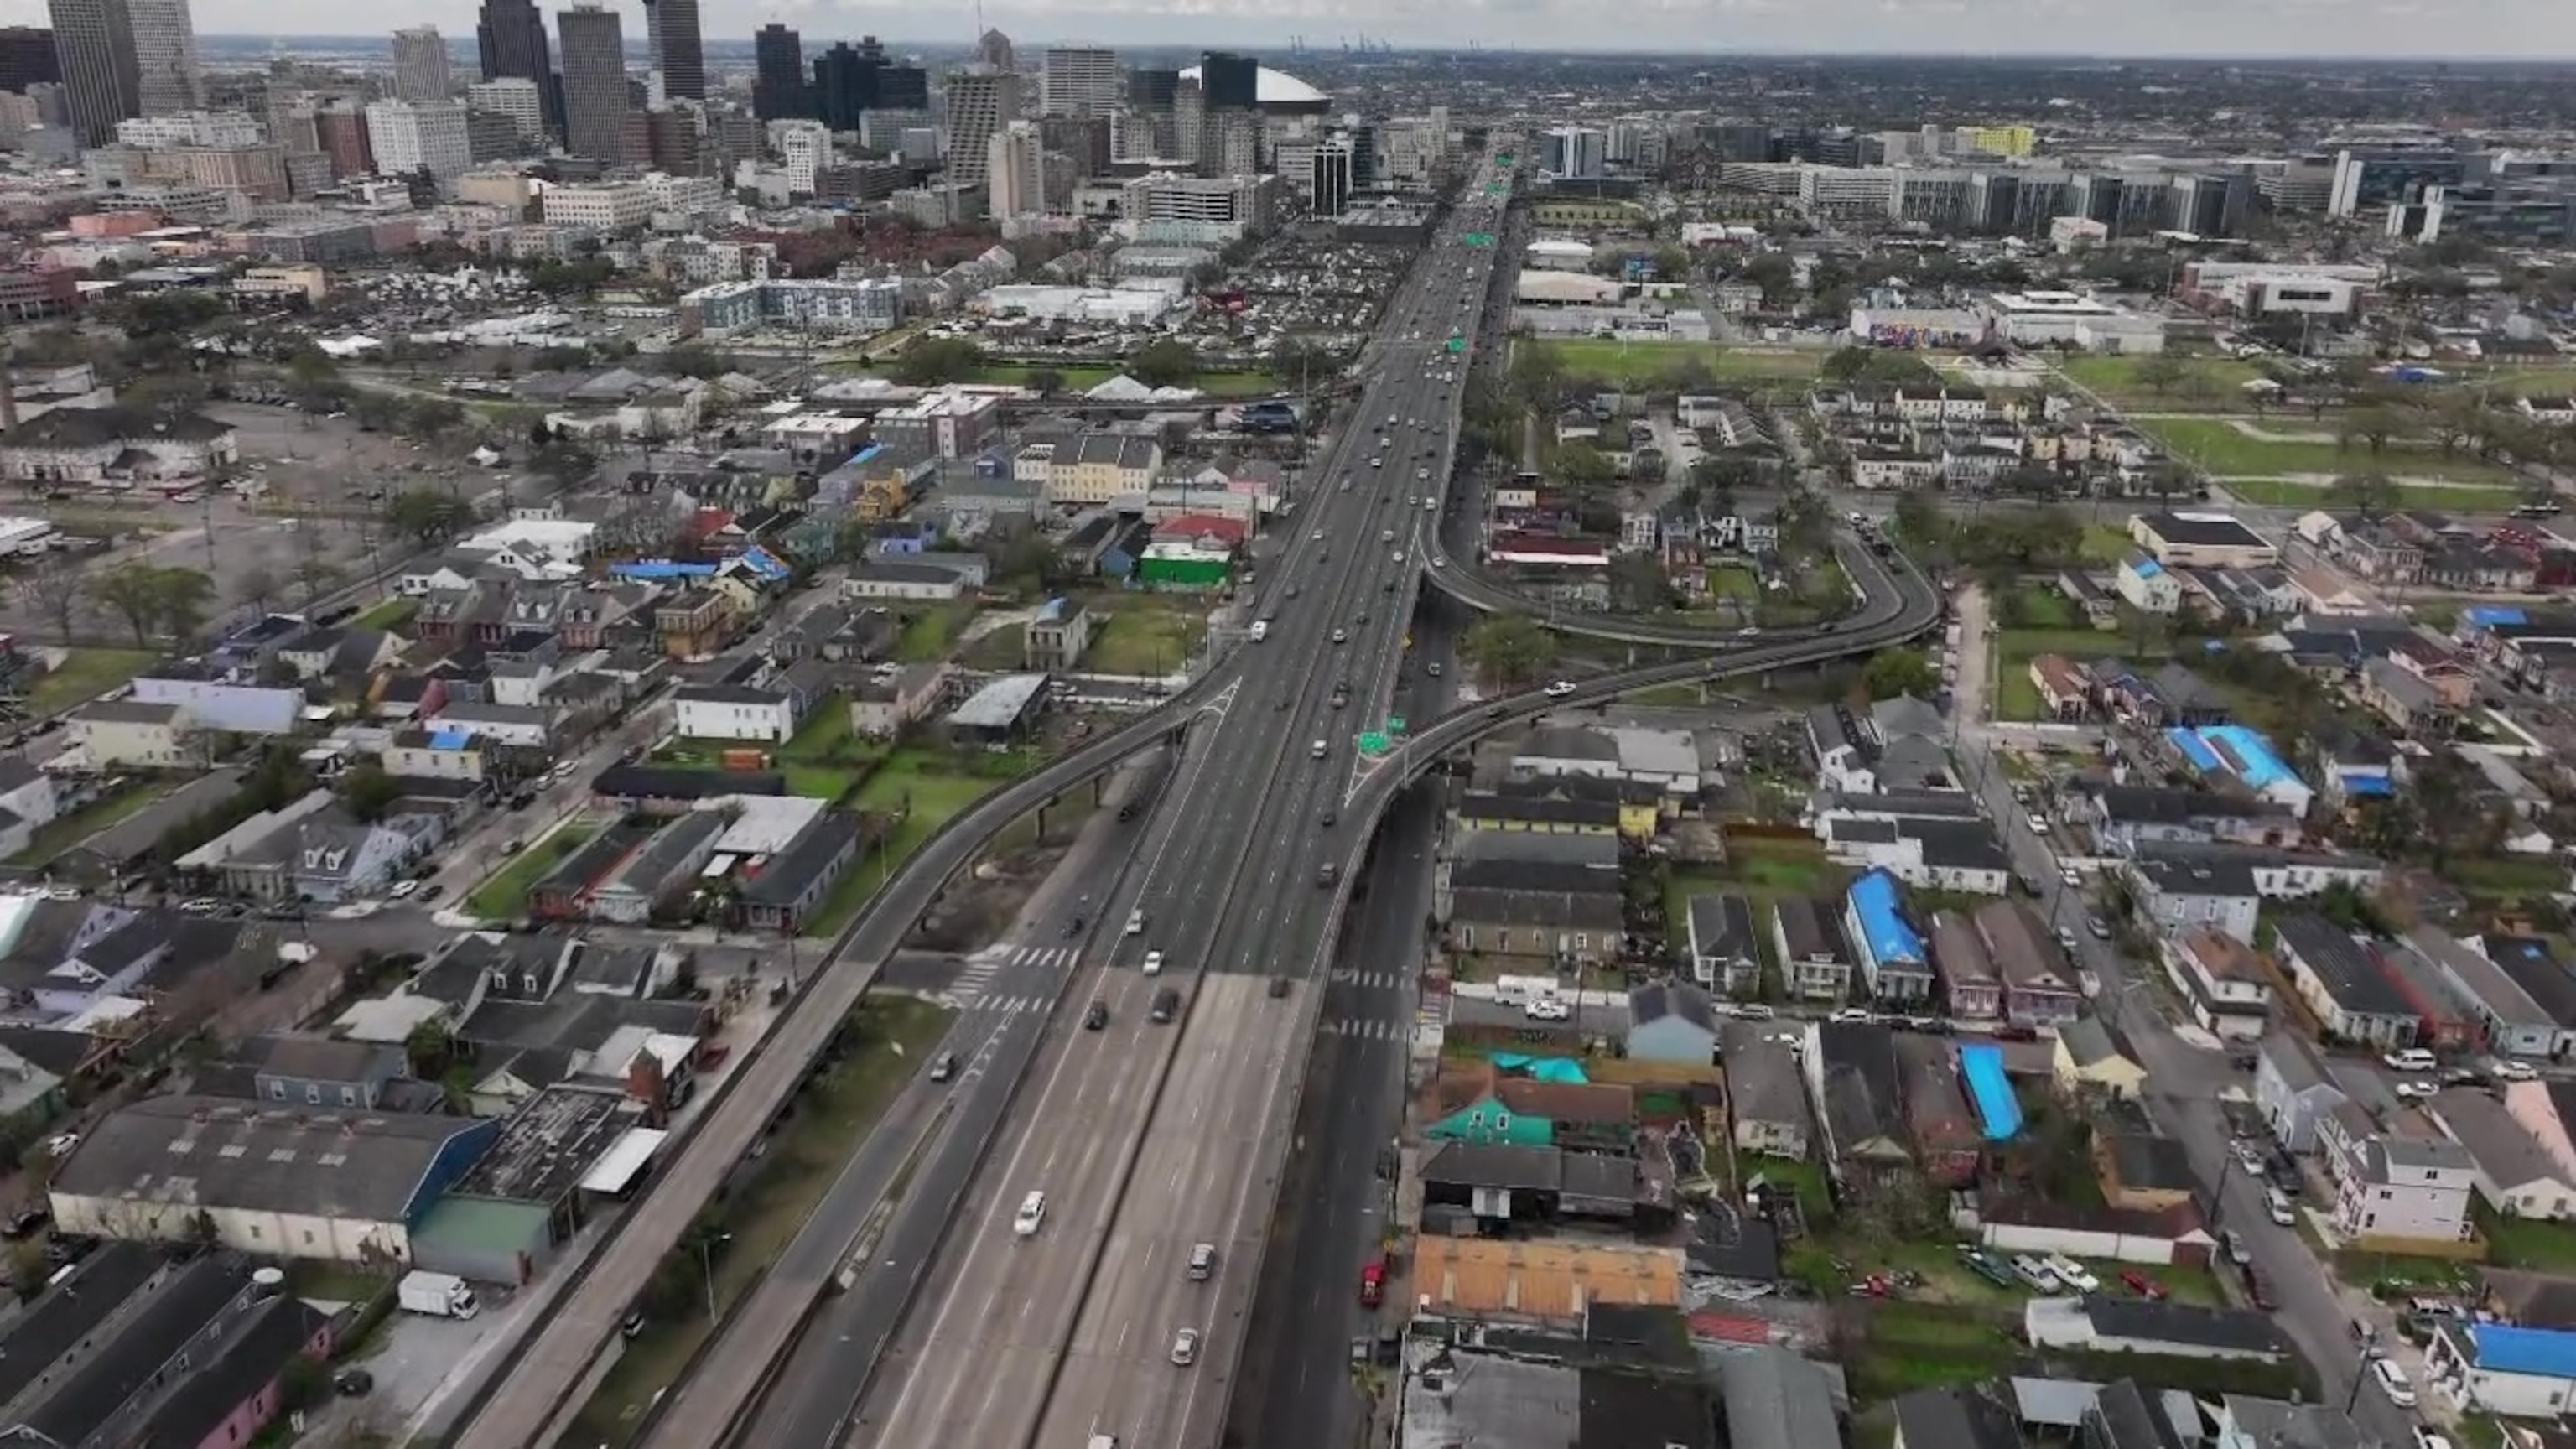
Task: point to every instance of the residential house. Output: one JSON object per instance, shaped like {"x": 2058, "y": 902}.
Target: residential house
{"x": 892, "y": 700}
{"x": 1534, "y": 913}
{"x": 2392, "y": 1190}
{"x": 2514, "y": 1175}
{"x": 218, "y": 696}
{"x": 1815, "y": 958}
{"x": 2123, "y": 817}
{"x": 2149, "y": 586}
{"x": 2512, "y": 1023}
{"x": 2102, "y": 1323}
{"x": 1939, "y": 851}
{"x": 2091, "y": 1059}
{"x": 659, "y": 873}
{"x": 293, "y": 1070}
{"x": 1893, "y": 962}
{"x": 1766, "y": 1093}
{"x": 2293, "y": 1090}
{"x": 909, "y": 583}
{"x": 1725, "y": 952}
{"x": 312, "y": 849}
{"x": 2444, "y": 1021}
{"x": 1671, "y": 1022}
{"x": 2226, "y": 983}
{"x": 1970, "y": 989}
{"x": 1056, "y": 636}
{"x": 1857, "y": 1088}
{"x": 1953, "y": 1418}
{"x": 27, "y": 803}
{"x": 2039, "y": 986}
{"x": 694, "y": 623}
{"x": 734, "y": 712}
{"x": 126, "y": 733}
{"x": 2521, "y": 1373}
{"x": 786, "y": 891}
{"x": 2342, "y": 983}
{"x": 2143, "y": 1172}
{"x": 2065, "y": 688}
{"x": 2531, "y": 964}
{"x": 2414, "y": 707}
{"x": 2177, "y": 895}
{"x": 1949, "y": 1140}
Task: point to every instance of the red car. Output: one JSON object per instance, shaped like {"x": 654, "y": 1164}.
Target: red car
{"x": 1373, "y": 1285}
{"x": 2142, "y": 1285}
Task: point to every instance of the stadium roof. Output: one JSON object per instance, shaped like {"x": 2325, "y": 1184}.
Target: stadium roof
{"x": 1276, "y": 88}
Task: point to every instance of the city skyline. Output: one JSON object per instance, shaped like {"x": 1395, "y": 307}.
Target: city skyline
{"x": 2385, "y": 30}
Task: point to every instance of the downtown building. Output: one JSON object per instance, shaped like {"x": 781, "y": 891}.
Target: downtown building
{"x": 594, "y": 83}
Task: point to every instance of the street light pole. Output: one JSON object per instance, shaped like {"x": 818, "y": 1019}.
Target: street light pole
{"x": 707, "y": 1268}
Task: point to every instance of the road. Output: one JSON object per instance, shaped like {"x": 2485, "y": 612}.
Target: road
{"x": 2183, "y": 1080}
{"x": 1146, "y": 1138}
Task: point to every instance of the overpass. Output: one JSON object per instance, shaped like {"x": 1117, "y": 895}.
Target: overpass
{"x": 1485, "y": 594}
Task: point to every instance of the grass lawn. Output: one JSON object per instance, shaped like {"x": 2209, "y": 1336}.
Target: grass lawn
{"x": 1143, "y": 634}
{"x": 1006, "y": 647}
{"x": 1909, "y": 1346}
{"x": 85, "y": 675}
{"x": 893, "y": 1035}
{"x": 2484, "y": 499}
{"x": 69, "y": 830}
{"x": 1644, "y": 365}
{"x": 2103, "y": 543}
{"x": 2015, "y": 697}
{"x": 2220, "y": 447}
{"x": 1735, "y": 581}
{"x": 389, "y": 615}
{"x": 928, "y": 635}
{"x": 2206, "y": 383}
{"x": 504, "y": 896}
{"x": 2507, "y": 875}
{"x": 933, "y": 786}
{"x": 2542, "y": 1247}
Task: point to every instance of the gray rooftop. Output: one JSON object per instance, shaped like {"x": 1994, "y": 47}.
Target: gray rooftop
{"x": 191, "y": 1152}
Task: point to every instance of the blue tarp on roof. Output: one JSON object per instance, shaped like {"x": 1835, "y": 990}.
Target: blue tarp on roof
{"x": 2369, "y": 787}
{"x": 2542, "y": 1352}
{"x": 2488, "y": 617}
{"x": 766, "y": 564}
{"x": 2194, "y": 749}
{"x": 2145, "y": 568}
{"x": 2232, "y": 748}
{"x": 1874, "y": 901}
{"x": 1997, "y": 1108}
{"x": 659, "y": 570}
{"x": 1546, "y": 1069}
{"x": 451, "y": 739}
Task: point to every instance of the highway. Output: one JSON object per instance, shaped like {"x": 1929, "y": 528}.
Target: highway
{"x": 1144, "y": 1137}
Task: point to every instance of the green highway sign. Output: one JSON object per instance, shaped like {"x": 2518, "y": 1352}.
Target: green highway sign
{"x": 1395, "y": 725}
{"x": 1479, "y": 238}
{"x": 1457, "y": 344}
{"x": 1373, "y": 744}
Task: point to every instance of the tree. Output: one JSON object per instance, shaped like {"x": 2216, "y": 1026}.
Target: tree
{"x": 2158, "y": 372}
{"x": 423, "y": 515}
{"x": 433, "y": 418}
{"x": 1717, "y": 478}
{"x": 1892, "y": 672}
{"x": 54, "y": 588}
{"x": 1045, "y": 381}
{"x": 2369, "y": 494}
{"x": 2373, "y": 425}
{"x": 931, "y": 361}
{"x": 566, "y": 460}
{"x": 1168, "y": 362}
{"x": 151, "y": 597}
{"x": 256, "y": 587}
{"x": 1509, "y": 650}
{"x": 1806, "y": 524}
{"x": 1920, "y": 522}
{"x": 369, "y": 792}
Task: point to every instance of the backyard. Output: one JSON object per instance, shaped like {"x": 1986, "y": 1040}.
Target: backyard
{"x": 83, "y": 675}
{"x": 927, "y": 787}
{"x": 66, "y": 831}
{"x": 389, "y": 615}
{"x": 504, "y": 895}
{"x": 1643, "y": 365}
{"x": 1133, "y": 634}
{"x": 890, "y": 1036}
{"x": 2016, "y": 697}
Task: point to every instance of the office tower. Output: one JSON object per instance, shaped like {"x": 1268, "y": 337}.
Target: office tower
{"x": 994, "y": 49}
{"x": 94, "y": 48}
{"x": 343, "y": 133}
{"x": 980, "y": 104}
{"x": 778, "y": 89}
{"x": 1152, "y": 89}
{"x": 595, "y": 99}
{"x": 672, "y": 32}
{"x": 516, "y": 97}
{"x": 491, "y": 136}
{"x": 902, "y": 88}
{"x": 420, "y": 65}
{"x": 1014, "y": 169}
{"x": 1080, "y": 80}
{"x": 1229, "y": 82}
{"x": 165, "y": 56}
{"x": 844, "y": 86}
{"x": 1333, "y": 175}
{"x": 510, "y": 42}
{"x": 409, "y": 136}
{"x": 671, "y": 141}
{"x": 27, "y": 58}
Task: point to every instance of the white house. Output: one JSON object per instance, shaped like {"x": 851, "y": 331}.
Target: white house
{"x": 2401, "y": 1188}
{"x": 2221, "y": 979}
{"x": 2148, "y": 586}
{"x": 732, "y": 712}
{"x": 913, "y": 582}
{"x": 2514, "y": 1174}
{"x": 2522, "y": 1373}
{"x": 130, "y": 732}
{"x": 2293, "y": 1090}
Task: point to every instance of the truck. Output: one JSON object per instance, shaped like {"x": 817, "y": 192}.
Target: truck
{"x": 441, "y": 1295}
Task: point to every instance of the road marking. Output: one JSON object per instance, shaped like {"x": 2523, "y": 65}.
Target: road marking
{"x": 1370, "y": 980}
{"x": 1364, "y": 1030}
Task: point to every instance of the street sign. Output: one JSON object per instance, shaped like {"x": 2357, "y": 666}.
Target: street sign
{"x": 1395, "y": 726}
{"x": 1374, "y": 744}
{"x": 1457, "y": 344}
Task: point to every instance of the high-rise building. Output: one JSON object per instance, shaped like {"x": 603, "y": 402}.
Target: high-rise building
{"x": 165, "y": 56}
{"x": 510, "y": 41}
{"x": 1152, "y": 89}
{"x": 515, "y": 97}
{"x": 1229, "y": 82}
{"x": 994, "y": 49}
{"x": 409, "y": 136}
{"x": 343, "y": 133}
{"x": 980, "y": 104}
{"x": 27, "y": 58}
{"x": 671, "y": 28}
{"x": 420, "y": 65}
{"x": 778, "y": 88}
{"x": 1332, "y": 175}
{"x": 1015, "y": 172}
{"x": 1080, "y": 80}
{"x": 902, "y": 88}
{"x": 845, "y": 86}
{"x": 595, "y": 98}
{"x": 94, "y": 47}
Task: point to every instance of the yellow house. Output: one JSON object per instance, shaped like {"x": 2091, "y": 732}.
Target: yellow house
{"x": 1546, "y": 814}
{"x": 2089, "y": 1059}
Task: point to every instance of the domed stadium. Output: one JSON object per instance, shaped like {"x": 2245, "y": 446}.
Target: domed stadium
{"x": 1281, "y": 93}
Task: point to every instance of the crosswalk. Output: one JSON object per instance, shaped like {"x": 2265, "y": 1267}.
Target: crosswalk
{"x": 999, "y": 1003}
{"x": 1371, "y": 980}
{"x": 987, "y": 968}
{"x": 1363, "y": 1030}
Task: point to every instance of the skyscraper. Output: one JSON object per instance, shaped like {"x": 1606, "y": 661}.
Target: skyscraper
{"x": 510, "y": 43}
{"x": 94, "y": 45}
{"x": 845, "y": 86}
{"x": 165, "y": 56}
{"x": 420, "y": 65}
{"x": 1080, "y": 80}
{"x": 672, "y": 32}
{"x": 994, "y": 49}
{"x": 1229, "y": 82}
{"x": 27, "y": 58}
{"x": 778, "y": 89}
{"x": 594, "y": 82}
{"x": 981, "y": 103}
{"x": 1014, "y": 167}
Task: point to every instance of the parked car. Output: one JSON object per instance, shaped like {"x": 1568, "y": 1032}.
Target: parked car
{"x": 2073, "y": 1274}
{"x": 2140, "y": 1284}
{"x": 2392, "y": 1382}
{"x": 2413, "y": 1059}
{"x": 2035, "y": 1273}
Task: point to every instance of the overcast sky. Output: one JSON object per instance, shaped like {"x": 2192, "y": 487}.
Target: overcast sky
{"x": 2410, "y": 29}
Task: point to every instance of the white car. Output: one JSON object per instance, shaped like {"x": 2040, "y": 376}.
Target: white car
{"x": 1853, "y": 1016}
{"x": 1032, "y": 1216}
{"x": 1153, "y": 963}
{"x": 2071, "y": 876}
{"x": 2416, "y": 1089}
{"x": 2427, "y": 1439}
{"x": 403, "y": 888}
{"x": 2506, "y": 1071}
{"x": 2073, "y": 1274}
{"x": 1185, "y": 1347}
{"x": 1560, "y": 689}
{"x": 1546, "y": 1008}
{"x": 2038, "y": 826}
{"x": 2413, "y": 1059}
{"x": 2392, "y": 1382}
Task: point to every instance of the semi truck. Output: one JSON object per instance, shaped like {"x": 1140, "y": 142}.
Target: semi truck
{"x": 440, "y": 1295}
